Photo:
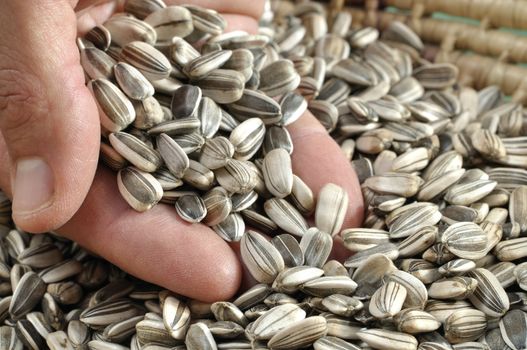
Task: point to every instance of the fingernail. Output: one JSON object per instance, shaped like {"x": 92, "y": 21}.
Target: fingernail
{"x": 33, "y": 186}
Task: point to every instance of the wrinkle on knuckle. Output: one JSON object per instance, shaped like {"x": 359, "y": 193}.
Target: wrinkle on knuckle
{"x": 22, "y": 98}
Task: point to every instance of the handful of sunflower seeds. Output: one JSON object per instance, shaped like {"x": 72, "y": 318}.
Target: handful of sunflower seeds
{"x": 440, "y": 262}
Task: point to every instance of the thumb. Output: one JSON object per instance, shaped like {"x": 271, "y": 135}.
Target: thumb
{"x": 48, "y": 118}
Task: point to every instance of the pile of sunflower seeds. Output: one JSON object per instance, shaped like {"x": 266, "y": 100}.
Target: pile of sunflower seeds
{"x": 440, "y": 262}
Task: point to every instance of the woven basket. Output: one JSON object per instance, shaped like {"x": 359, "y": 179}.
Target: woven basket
{"x": 484, "y": 53}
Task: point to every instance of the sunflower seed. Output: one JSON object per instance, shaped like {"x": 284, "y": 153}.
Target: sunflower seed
{"x": 328, "y": 285}
{"x": 203, "y": 65}
{"x": 466, "y": 240}
{"x": 261, "y": 258}
{"x": 140, "y": 190}
{"x": 226, "y": 311}
{"x": 285, "y": 216}
{"x": 278, "y": 173}
{"x": 465, "y": 325}
{"x": 274, "y": 320}
{"x": 254, "y": 104}
{"x": 147, "y": 59}
{"x": 237, "y": 176}
{"x": 436, "y": 76}
{"x": 416, "y": 321}
{"x": 289, "y": 249}
{"x": 170, "y": 21}
{"x": 115, "y": 110}
{"x": 278, "y": 78}
{"x": 385, "y": 339}
{"x": 388, "y": 300}
{"x": 191, "y": 208}
{"x": 223, "y": 86}
{"x": 299, "y": 334}
{"x": 200, "y": 337}
{"x": 247, "y": 138}
{"x": 316, "y": 246}
{"x": 142, "y": 156}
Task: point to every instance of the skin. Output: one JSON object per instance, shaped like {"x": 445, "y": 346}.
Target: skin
{"x": 45, "y": 109}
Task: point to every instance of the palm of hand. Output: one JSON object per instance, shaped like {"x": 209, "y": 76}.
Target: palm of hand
{"x": 44, "y": 105}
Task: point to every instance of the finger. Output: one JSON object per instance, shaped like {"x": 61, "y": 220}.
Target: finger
{"x": 253, "y": 9}
{"x": 45, "y": 112}
{"x": 241, "y": 22}
{"x": 318, "y": 160}
{"x": 91, "y": 13}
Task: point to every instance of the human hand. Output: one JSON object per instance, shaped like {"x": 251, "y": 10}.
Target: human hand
{"x": 49, "y": 147}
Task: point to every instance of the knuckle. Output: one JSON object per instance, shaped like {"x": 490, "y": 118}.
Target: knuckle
{"x": 22, "y": 100}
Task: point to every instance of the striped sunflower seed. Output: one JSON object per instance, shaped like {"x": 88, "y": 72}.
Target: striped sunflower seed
{"x": 142, "y": 9}
{"x": 331, "y": 208}
{"x": 452, "y": 288}
{"x": 261, "y": 258}
{"x": 274, "y": 320}
{"x": 140, "y": 190}
{"x": 388, "y": 300}
{"x": 316, "y": 246}
{"x": 171, "y": 21}
{"x": 512, "y": 249}
{"x": 115, "y": 109}
{"x": 513, "y": 327}
{"x": 201, "y": 66}
{"x": 231, "y": 228}
{"x": 185, "y": 101}
{"x": 237, "y": 176}
{"x": 289, "y": 249}
{"x": 138, "y": 153}
{"x": 411, "y": 218}
{"x": 132, "y": 82}
{"x": 465, "y": 325}
{"x": 369, "y": 275}
{"x": 516, "y": 207}
{"x": 330, "y": 343}
{"x": 277, "y": 137}
{"x": 386, "y": 339}
{"x": 285, "y": 216}
{"x": 199, "y": 337}
{"x": 342, "y": 305}
{"x": 218, "y": 205}
{"x": 191, "y": 208}
{"x": 489, "y": 296}
{"x": 359, "y": 239}
{"x": 223, "y": 85}
{"x": 216, "y": 152}
{"x": 206, "y": 20}
{"x": 291, "y": 279}
{"x": 299, "y": 334}
{"x": 226, "y": 311}
{"x": 436, "y": 76}
{"x": 147, "y": 59}
{"x": 247, "y": 138}
{"x": 148, "y": 113}
{"x": 176, "y": 127}
{"x": 254, "y": 104}
{"x": 466, "y": 240}
{"x": 126, "y": 29}
{"x": 278, "y": 173}
{"x": 328, "y": 285}
{"x": 416, "y": 321}
{"x": 96, "y": 63}
{"x": 226, "y": 329}
{"x": 26, "y": 295}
